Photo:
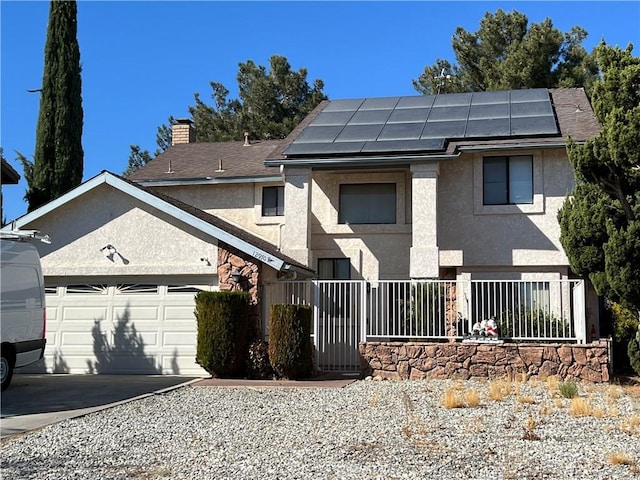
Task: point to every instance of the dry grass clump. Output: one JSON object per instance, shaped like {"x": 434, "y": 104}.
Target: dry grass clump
{"x": 498, "y": 390}
{"x": 529, "y": 430}
{"x": 527, "y": 399}
{"x": 581, "y": 407}
{"x": 455, "y": 398}
{"x": 619, "y": 458}
{"x": 631, "y": 425}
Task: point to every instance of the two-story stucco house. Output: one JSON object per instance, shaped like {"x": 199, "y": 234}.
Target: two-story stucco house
{"x": 453, "y": 187}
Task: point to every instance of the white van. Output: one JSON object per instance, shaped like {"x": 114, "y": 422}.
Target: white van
{"x": 23, "y": 314}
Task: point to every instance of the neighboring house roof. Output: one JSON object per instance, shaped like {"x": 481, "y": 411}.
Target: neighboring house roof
{"x": 352, "y": 132}
{"x": 205, "y": 222}
{"x": 199, "y": 163}
{"x": 217, "y": 162}
{"x": 9, "y": 175}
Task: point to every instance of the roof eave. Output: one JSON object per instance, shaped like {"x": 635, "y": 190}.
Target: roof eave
{"x": 207, "y": 181}
{"x": 357, "y": 161}
{"x": 152, "y": 200}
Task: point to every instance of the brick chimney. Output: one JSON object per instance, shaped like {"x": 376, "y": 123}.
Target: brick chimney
{"x": 183, "y": 131}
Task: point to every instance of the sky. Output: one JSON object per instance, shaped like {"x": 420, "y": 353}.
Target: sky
{"x": 143, "y": 61}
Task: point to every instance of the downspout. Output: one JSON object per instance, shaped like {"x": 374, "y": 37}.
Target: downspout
{"x": 280, "y": 236}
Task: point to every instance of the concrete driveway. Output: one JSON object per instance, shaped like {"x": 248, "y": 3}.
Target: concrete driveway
{"x": 33, "y": 401}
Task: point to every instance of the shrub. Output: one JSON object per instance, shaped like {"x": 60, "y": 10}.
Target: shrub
{"x": 258, "y": 366}
{"x": 531, "y": 323}
{"x": 633, "y": 350}
{"x": 290, "y": 351}
{"x": 568, "y": 389}
{"x": 223, "y": 323}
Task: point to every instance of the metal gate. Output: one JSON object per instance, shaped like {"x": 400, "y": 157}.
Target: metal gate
{"x": 338, "y": 309}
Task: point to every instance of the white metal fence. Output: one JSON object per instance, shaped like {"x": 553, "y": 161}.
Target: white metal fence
{"x": 347, "y": 312}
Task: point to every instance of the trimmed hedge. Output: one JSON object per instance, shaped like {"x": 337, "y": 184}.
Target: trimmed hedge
{"x": 290, "y": 350}
{"x": 223, "y": 325}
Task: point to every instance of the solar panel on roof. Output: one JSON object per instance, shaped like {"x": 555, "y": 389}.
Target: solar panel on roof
{"x": 317, "y": 133}
{"x": 448, "y": 113}
{"x": 333, "y": 118}
{"x": 409, "y": 115}
{"x": 342, "y": 105}
{"x": 422, "y": 101}
{"x": 363, "y": 133}
{"x": 488, "y": 127}
{"x": 401, "y": 131}
{"x": 368, "y": 117}
{"x": 427, "y": 145}
{"x": 484, "y": 98}
{"x": 378, "y": 103}
{"x": 424, "y": 123}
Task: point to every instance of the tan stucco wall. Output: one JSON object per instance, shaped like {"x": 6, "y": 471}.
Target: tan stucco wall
{"x": 148, "y": 241}
{"x": 376, "y": 251}
{"x": 237, "y": 203}
{"x": 471, "y": 234}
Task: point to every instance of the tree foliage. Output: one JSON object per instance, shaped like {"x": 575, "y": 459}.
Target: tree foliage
{"x": 508, "y": 53}
{"x": 600, "y": 223}
{"x": 58, "y": 160}
{"x": 270, "y": 103}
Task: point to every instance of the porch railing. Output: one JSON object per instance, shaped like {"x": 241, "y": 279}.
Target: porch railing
{"x": 550, "y": 310}
{"x": 348, "y": 312}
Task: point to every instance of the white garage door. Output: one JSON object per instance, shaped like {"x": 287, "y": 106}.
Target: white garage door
{"x": 130, "y": 328}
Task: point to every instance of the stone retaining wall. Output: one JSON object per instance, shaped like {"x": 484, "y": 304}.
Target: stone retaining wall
{"x": 401, "y": 361}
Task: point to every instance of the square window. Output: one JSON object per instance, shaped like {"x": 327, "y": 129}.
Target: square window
{"x": 272, "y": 201}
{"x": 508, "y": 180}
{"x": 367, "y": 203}
{"x": 334, "y": 269}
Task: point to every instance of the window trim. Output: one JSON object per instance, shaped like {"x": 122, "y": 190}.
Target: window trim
{"x": 479, "y": 208}
{"x": 506, "y": 162}
{"x": 279, "y": 208}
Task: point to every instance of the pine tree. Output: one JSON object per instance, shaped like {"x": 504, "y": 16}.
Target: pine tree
{"x": 600, "y": 223}
{"x": 508, "y": 53}
{"x": 58, "y": 161}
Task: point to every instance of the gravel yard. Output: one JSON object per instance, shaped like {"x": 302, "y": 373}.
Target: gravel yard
{"x": 368, "y": 430}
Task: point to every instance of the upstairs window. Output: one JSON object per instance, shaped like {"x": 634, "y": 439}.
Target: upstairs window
{"x": 272, "y": 201}
{"x": 508, "y": 180}
{"x": 372, "y": 203}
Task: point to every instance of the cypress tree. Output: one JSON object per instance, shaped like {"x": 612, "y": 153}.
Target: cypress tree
{"x": 58, "y": 159}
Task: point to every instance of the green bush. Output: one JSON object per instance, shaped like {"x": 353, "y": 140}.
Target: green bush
{"x": 532, "y": 323}
{"x": 290, "y": 350}
{"x": 223, "y": 323}
{"x": 633, "y": 350}
{"x": 624, "y": 326}
{"x": 258, "y": 366}
{"x": 568, "y": 389}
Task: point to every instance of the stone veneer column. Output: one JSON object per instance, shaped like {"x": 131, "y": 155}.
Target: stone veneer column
{"x": 297, "y": 203}
{"x": 424, "y": 243}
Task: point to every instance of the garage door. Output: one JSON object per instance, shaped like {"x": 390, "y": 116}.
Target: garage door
{"x": 133, "y": 328}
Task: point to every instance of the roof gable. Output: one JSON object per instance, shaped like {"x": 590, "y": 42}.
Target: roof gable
{"x": 207, "y": 223}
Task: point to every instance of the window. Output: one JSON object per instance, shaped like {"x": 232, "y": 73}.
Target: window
{"x": 273, "y": 201}
{"x": 508, "y": 180}
{"x": 334, "y": 269}
{"x": 372, "y": 203}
